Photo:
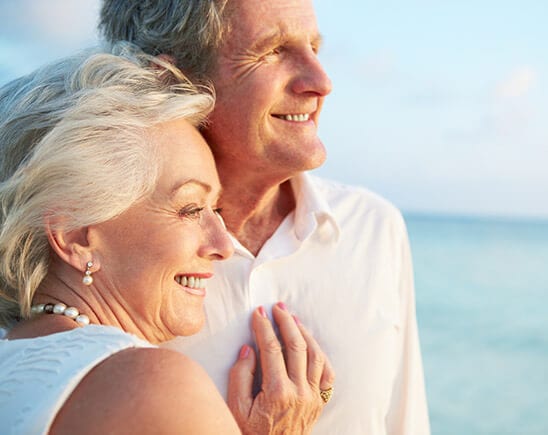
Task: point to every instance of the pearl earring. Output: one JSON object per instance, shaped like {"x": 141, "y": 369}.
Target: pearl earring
{"x": 88, "y": 279}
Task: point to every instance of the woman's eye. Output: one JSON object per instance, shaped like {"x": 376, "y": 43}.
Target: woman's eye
{"x": 191, "y": 212}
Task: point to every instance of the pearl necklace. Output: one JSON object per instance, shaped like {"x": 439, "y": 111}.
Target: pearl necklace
{"x": 62, "y": 309}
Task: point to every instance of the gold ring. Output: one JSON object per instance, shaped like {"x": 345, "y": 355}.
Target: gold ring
{"x": 326, "y": 394}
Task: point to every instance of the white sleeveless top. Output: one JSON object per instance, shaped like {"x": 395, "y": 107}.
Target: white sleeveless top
{"x": 37, "y": 375}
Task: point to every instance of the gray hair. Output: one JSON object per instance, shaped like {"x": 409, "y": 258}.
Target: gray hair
{"x": 190, "y": 31}
{"x": 75, "y": 146}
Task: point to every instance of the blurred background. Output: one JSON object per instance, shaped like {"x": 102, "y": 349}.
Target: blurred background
{"x": 441, "y": 107}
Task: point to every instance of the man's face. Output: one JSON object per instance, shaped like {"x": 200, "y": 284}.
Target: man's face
{"x": 270, "y": 88}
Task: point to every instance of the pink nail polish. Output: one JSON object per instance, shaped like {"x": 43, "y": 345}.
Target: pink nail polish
{"x": 282, "y": 306}
{"x": 297, "y": 320}
{"x": 262, "y": 311}
{"x": 244, "y": 351}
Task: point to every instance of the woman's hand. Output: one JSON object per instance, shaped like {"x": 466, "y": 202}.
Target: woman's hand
{"x": 289, "y": 400}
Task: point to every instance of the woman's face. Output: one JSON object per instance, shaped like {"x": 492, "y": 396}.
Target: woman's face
{"x": 156, "y": 257}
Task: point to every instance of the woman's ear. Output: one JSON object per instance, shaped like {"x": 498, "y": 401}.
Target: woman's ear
{"x": 72, "y": 246}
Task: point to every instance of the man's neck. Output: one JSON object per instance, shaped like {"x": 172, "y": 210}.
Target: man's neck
{"x": 252, "y": 215}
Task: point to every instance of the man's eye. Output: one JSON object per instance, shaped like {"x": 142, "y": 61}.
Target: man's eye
{"x": 274, "y": 52}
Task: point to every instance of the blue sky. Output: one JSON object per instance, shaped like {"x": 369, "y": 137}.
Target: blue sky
{"x": 440, "y": 106}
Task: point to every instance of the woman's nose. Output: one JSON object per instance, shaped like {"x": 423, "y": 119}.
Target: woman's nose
{"x": 217, "y": 243}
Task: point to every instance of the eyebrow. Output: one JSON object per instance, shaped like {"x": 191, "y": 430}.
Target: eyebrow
{"x": 190, "y": 183}
{"x": 278, "y": 37}
{"x": 266, "y": 40}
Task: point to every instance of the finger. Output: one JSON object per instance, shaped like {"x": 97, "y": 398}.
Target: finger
{"x": 270, "y": 351}
{"x": 327, "y": 379}
{"x": 316, "y": 358}
{"x": 327, "y": 382}
{"x": 294, "y": 344}
{"x": 240, "y": 384}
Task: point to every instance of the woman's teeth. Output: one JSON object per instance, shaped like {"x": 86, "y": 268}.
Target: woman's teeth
{"x": 191, "y": 281}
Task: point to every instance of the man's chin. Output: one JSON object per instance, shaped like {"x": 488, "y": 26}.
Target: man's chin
{"x": 316, "y": 158}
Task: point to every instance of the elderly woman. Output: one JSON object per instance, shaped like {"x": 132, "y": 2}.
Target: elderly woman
{"x": 109, "y": 230}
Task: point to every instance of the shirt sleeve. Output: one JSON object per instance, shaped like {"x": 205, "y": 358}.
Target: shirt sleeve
{"x": 408, "y": 412}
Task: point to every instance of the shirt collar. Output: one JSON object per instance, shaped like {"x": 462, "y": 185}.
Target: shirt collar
{"x": 312, "y": 212}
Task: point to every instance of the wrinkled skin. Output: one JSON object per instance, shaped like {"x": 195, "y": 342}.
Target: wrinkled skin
{"x": 289, "y": 399}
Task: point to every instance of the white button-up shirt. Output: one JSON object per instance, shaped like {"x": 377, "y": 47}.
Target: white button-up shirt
{"x": 341, "y": 263}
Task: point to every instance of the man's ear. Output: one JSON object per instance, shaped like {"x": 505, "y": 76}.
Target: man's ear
{"x": 70, "y": 246}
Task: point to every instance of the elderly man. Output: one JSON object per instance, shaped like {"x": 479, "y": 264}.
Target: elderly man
{"x": 337, "y": 255}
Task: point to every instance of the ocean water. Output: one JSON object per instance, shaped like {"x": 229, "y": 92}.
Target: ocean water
{"x": 482, "y": 307}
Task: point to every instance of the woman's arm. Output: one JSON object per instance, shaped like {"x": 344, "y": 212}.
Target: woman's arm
{"x": 144, "y": 391}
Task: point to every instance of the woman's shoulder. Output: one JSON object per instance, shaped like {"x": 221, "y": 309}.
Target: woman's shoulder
{"x": 145, "y": 390}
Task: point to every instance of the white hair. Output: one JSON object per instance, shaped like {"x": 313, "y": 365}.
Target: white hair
{"x": 74, "y": 144}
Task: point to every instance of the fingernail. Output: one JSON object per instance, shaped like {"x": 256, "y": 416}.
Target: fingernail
{"x": 244, "y": 351}
{"x": 282, "y": 306}
{"x": 262, "y": 311}
{"x": 297, "y": 321}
